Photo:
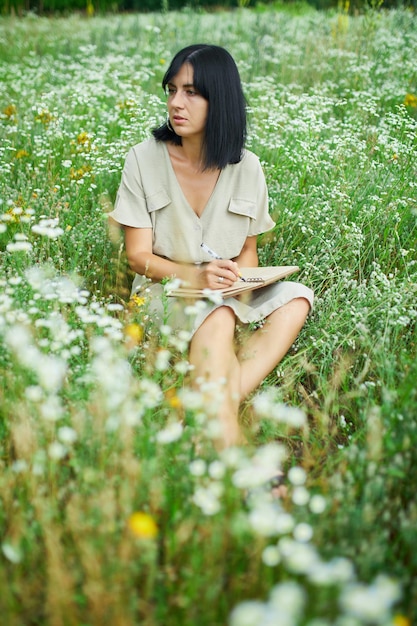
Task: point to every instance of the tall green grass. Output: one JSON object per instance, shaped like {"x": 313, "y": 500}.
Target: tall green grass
{"x": 115, "y": 507}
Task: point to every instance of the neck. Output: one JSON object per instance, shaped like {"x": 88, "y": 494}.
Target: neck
{"x": 191, "y": 151}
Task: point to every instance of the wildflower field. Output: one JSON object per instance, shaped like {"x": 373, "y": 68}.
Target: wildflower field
{"x": 115, "y": 507}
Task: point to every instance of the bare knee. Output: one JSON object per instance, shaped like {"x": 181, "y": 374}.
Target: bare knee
{"x": 221, "y": 319}
{"x": 300, "y": 306}
{"x": 295, "y": 310}
{"x": 219, "y": 325}
{"x": 213, "y": 343}
{"x": 214, "y": 363}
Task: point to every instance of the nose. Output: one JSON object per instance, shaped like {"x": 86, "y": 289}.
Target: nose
{"x": 176, "y": 99}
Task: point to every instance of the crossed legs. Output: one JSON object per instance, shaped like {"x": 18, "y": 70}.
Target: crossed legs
{"x": 229, "y": 377}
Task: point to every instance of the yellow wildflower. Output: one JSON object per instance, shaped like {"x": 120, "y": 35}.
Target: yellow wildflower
{"x": 134, "y": 332}
{"x": 142, "y": 525}
{"x": 83, "y": 137}
{"x": 162, "y": 61}
{"x": 20, "y": 154}
{"x": 401, "y": 620}
{"x": 172, "y": 398}
{"x": 410, "y": 100}
{"x": 137, "y": 300}
{"x": 10, "y": 110}
{"x": 13, "y": 214}
{"x": 45, "y": 117}
{"x": 126, "y": 104}
{"x": 77, "y": 174}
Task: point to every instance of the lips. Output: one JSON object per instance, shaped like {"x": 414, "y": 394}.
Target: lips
{"x": 177, "y": 119}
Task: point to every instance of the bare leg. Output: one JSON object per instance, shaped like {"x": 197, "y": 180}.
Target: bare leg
{"x": 228, "y": 377}
{"x": 217, "y": 370}
{"x": 266, "y": 347}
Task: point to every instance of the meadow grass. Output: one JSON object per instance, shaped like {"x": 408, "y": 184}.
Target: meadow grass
{"x": 115, "y": 507}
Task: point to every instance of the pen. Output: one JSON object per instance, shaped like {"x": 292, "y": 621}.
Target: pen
{"x": 210, "y": 251}
{"x": 216, "y": 256}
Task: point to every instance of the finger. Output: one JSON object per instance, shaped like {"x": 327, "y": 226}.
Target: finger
{"x": 218, "y": 281}
{"x": 231, "y": 276}
{"x": 224, "y": 279}
{"x": 226, "y": 264}
{"x": 215, "y": 271}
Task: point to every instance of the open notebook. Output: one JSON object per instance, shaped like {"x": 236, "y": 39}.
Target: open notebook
{"x": 255, "y": 277}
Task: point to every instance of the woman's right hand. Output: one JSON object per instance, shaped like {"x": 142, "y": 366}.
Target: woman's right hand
{"x": 218, "y": 274}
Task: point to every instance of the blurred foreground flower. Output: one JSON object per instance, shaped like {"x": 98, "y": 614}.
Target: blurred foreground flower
{"x": 173, "y": 400}
{"x": 142, "y": 525}
{"x": 172, "y": 432}
{"x": 19, "y": 246}
{"x": 371, "y": 603}
{"x": 410, "y": 100}
{"x": 267, "y": 405}
{"x": 133, "y": 333}
{"x": 12, "y": 553}
{"x": 48, "y": 228}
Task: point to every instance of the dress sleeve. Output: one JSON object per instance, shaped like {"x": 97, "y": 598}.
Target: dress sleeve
{"x": 130, "y": 208}
{"x": 263, "y": 221}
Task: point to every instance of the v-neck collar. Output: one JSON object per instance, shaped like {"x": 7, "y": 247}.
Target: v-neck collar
{"x": 177, "y": 182}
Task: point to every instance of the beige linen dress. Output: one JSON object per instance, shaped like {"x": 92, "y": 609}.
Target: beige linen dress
{"x": 150, "y": 196}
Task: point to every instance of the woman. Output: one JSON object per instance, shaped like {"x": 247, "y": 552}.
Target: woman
{"x": 193, "y": 183}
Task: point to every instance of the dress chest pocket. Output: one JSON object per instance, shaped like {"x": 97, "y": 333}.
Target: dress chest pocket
{"x": 243, "y": 207}
{"x": 235, "y": 227}
{"x": 157, "y": 201}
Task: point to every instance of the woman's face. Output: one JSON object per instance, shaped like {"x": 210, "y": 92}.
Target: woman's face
{"x": 187, "y": 109}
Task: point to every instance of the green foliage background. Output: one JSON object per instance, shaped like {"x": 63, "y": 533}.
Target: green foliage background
{"x": 20, "y": 7}
{"x": 333, "y": 118}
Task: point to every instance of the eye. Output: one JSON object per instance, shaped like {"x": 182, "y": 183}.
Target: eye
{"x": 170, "y": 91}
{"x": 191, "y": 92}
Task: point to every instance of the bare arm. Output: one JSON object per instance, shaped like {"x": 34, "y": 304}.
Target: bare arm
{"x": 143, "y": 261}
